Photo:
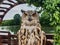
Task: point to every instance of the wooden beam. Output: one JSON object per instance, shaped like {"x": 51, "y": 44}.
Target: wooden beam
{"x": 12, "y": 1}
{"x": 2, "y": 11}
{"x": 1, "y": 16}
{"x": 8, "y": 4}
{"x": 50, "y": 36}
{"x": 1, "y": 1}
{"x": 0, "y": 40}
{"x": 4, "y": 8}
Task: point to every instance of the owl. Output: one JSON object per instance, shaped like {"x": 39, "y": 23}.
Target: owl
{"x": 30, "y": 32}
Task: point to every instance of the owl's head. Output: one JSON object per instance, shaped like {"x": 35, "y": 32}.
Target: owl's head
{"x": 30, "y": 15}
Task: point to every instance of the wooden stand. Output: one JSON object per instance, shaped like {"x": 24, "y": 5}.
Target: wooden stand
{"x": 15, "y": 41}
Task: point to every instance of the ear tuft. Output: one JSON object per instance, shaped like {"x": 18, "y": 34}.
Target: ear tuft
{"x": 22, "y": 11}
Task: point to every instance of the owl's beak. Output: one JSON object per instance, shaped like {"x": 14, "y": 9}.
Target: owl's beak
{"x": 30, "y": 19}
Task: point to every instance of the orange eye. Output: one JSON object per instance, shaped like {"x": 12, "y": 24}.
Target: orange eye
{"x": 25, "y": 14}
{"x": 34, "y": 14}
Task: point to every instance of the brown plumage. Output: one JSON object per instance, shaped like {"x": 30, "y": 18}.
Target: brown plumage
{"x": 30, "y": 32}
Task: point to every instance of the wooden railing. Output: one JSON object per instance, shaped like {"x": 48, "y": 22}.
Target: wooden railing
{"x": 50, "y": 38}
{"x": 12, "y": 39}
{"x": 7, "y": 38}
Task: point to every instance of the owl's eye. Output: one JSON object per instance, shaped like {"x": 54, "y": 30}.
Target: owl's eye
{"x": 25, "y": 14}
{"x": 34, "y": 14}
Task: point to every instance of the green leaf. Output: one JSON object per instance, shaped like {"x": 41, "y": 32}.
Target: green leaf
{"x": 56, "y": 15}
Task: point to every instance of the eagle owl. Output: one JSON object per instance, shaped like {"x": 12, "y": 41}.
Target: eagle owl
{"x": 30, "y": 17}
{"x": 30, "y": 32}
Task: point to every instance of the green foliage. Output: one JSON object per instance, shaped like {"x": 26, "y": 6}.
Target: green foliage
{"x": 14, "y": 28}
{"x": 44, "y": 19}
{"x": 17, "y": 19}
{"x": 47, "y": 29}
{"x": 57, "y": 35}
{"x": 37, "y": 3}
{"x": 7, "y": 23}
{"x": 13, "y": 25}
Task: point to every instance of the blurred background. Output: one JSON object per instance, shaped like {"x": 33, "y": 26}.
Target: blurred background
{"x": 49, "y": 15}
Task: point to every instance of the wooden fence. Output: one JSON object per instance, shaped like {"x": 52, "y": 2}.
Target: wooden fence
{"x": 8, "y": 39}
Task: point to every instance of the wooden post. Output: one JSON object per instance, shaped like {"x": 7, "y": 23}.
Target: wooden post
{"x": 0, "y": 40}
{"x": 9, "y": 38}
{"x": 3, "y": 37}
{"x": 14, "y": 40}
